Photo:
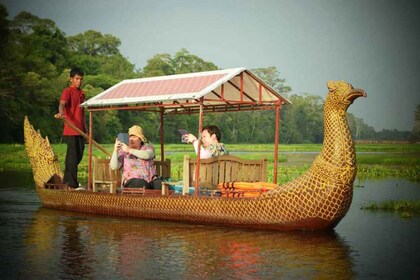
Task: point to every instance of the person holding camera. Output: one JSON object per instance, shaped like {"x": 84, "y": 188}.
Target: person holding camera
{"x": 210, "y": 142}
{"x": 135, "y": 159}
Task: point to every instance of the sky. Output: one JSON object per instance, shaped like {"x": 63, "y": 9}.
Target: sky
{"x": 372, "y": 44}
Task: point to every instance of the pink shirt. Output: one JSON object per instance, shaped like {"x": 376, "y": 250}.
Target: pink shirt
{"x": 134, "y": 167}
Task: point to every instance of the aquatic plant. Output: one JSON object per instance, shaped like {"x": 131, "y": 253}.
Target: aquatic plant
{"x": 406, "y": 208}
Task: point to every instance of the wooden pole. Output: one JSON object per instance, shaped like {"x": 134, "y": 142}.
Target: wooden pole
{"x": 90, "y": 152}
{"x": 86, "y": 137}
{"x": 162, "y": 136}
{"x": 276, "y": 142}
{"x": 200, "y": 128}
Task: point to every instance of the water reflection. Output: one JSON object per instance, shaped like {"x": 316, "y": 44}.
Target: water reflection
{"x": 38, "y": 243}
{"x": 73, "y": 244}
{"x": 75, "y": 258}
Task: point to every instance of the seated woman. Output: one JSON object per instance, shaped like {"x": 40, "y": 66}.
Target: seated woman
{"x": 135, "y": 159}
{"x": 210, "y": 139}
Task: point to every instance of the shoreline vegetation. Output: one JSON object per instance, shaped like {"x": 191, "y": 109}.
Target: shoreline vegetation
{"x": 373, "y": 160}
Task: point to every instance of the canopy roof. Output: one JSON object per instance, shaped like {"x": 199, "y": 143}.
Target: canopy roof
{"x": 236, "y": 89}
{"x": 220, "y": 90}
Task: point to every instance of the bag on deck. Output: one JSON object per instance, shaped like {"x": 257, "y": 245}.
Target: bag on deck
{"x": 156, "y": 183}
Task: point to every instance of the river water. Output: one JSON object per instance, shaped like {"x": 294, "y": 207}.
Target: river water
{"x": 40, "y": 243}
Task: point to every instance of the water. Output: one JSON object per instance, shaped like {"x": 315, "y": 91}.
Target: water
{"x": 40, "y": 243}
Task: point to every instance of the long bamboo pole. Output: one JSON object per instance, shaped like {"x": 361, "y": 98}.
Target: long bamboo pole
{"x": 97, "y": 145}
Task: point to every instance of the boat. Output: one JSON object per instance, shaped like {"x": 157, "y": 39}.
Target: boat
{"x": 317, "y": 200}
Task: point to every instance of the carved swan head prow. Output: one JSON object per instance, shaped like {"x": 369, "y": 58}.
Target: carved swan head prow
{"x": 343, "y": 92}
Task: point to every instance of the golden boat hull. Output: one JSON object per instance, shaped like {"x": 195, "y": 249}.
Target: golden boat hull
{"x": 242, "y": 212}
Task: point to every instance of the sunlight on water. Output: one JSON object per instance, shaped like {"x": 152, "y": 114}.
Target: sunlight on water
{"x": 91, "y": 245}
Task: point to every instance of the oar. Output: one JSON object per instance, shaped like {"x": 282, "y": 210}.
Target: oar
{"x": 86, "y": 136}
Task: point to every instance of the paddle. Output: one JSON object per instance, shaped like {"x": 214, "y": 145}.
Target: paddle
{"x": 86, "y": 136}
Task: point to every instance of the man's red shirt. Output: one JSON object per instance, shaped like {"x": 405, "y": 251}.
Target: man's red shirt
{"x": 72, "y": 110}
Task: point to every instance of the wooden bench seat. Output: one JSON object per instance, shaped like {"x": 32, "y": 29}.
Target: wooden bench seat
{"x": 104, "y": 177}
{"x": 221, "y": 169}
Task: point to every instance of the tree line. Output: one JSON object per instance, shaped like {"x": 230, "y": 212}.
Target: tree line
{"x": 36, "y": 57}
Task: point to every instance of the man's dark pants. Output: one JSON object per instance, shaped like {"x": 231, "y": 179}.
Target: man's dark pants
{"x": 75, "y": 148}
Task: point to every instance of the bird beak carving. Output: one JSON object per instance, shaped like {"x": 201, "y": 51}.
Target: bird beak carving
{"x": 354, "y": 94}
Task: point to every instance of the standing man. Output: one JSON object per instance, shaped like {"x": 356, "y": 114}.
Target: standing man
{"x": 69, "y": 108}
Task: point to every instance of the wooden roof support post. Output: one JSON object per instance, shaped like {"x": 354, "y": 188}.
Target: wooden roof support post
{"x": 276, "y": 141}
{"x": 222, "y": 92}
{"x": 90, "y": 152}
{"x": 200, "y": 128}
{"x": 162, "y": 138}
{"x": 242, "y": 86}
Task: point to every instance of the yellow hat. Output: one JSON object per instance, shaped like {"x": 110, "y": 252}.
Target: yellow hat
{"x": 137, "y": 131}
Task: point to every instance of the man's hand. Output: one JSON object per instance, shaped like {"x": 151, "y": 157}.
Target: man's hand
{"x": 117, "y": 145}
{"x": 125, "y": 148}
{"x": 59, "y": 116}
{"x": 190, "y": 138}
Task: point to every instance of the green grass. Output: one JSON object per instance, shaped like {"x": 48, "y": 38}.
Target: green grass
{"x": 389, "y": 159}
{"x": 391, "y": 148}
{"x": 395, "y": 160}
{"x": 13, "y": 156}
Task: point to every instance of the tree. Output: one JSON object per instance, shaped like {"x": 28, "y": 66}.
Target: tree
{"x": 271, "y": 76}
{"x": 416, "y": 128}
{"x": 98, "y": 54}
{"x": 184, "y": 62}
{"x": 359, "y": 129}
{"x": 40, "y": 46}
{"x": 116, "y": 67}
{"x": 93, "y": 43}
{"x": 159, "y": 65}
{"x": 4, "y": 28}
{"x": 36, "y": 51}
